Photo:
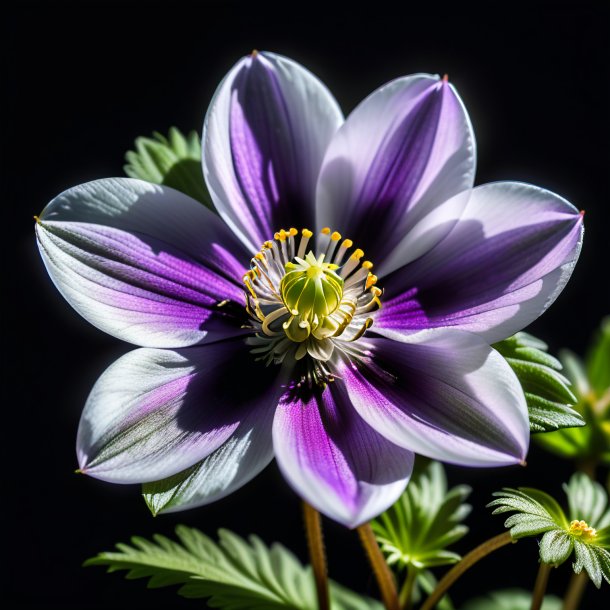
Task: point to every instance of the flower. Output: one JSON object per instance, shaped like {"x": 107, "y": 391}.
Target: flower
{"x": 317, "y": 366}
{"x": 586, "y": 532}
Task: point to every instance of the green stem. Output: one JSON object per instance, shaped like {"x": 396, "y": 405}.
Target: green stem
{"x": 385, "y": 579}
{"x": 405, "y": 597}
{"x": 542, "y": 579}
{"x": 467, "y": 562}
{"x": 315, "y": 543}
{"x": 575, "y": 590}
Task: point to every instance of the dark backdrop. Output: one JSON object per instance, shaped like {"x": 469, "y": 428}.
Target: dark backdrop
{"x": 81, "y": 81}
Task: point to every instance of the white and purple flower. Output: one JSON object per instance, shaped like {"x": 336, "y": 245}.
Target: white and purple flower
{"x": 316, "y": 365}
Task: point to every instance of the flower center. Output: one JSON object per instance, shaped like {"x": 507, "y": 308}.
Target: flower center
{"x": 309, "y": 295}
{"x": 581, "y": 529}
{"x": 311, "y": 291}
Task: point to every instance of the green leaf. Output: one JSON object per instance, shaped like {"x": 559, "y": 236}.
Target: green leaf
{"x": 588, "y": 501}
{"x": 535, "y": 512}
{"x": 234, "y": 573}
{"x": 427, "y": 582}
{"x": 510, "y": 599}
{"x": 555, "y": 547}
{"x": 345, "y": 599}
{"x": 174, "y": 161}
{"x": 424, "y": 521}
{"x": 598, "y": 360}
{"x": 594, "y": 560}
{"x": 546, "y": 390}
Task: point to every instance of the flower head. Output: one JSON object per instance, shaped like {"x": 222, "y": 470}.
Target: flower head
{"x": 586, "y": 532}
{"x": 339, "y": 379}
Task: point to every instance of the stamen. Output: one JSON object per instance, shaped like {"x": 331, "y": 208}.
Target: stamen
{"x": 581, "y": 529}
{"x": 306, "y": 303}
{"x": 306, "y": 236}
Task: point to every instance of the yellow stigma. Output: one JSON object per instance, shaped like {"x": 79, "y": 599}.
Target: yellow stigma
{"x": 581, "y": 529}
{"x": 311, "y": 291}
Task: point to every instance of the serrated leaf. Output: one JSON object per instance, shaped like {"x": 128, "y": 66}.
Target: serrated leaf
{"x": 555, "y": 547}
{"x": 588, "y": 501}
{"x": 535, "y": 511}
{"x": 547, "y": 392}
{"x": 510, "y": 599}
{"x": 174, "y": 161}
{"x": 234, "y": 574}
{"x": 594, "y": 560}
{"x": 424, "y": 521}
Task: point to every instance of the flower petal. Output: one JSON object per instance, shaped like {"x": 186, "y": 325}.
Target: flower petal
{"x": 264, "y": 138}
{"x": 244, "y": 455}
{"x": 142, "y": 262}
{"x": 443, "y": 393}
{"x": 499, "y": 268}
{"x": 402, "y": 152}
{"x": 334, "y": 460}
{"x": 154, "y": 413}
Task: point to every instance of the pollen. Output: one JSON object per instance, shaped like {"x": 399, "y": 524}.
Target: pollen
{"x": 582, "y": 530}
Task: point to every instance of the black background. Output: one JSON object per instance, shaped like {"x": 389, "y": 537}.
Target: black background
{"x": 81, "y": 81}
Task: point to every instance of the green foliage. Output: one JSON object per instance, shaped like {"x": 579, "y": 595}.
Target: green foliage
{"x": 598, "y": 360}
{"x": 591, "y": 384}
{"x": 588, "y": 500}
{"x": 587, "y": 532}
{"x": 510, "y": 599}
{"x": 174, "y": 161}
{"x": 547, "y": 392}
{"x": 234, "y": 574}
{"x": 534, "y": 511}
{"x": 424, "y": 521}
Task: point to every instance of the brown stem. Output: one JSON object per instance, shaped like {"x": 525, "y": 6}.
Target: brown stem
{"x": 385, "y": 579}
{"x": 315, "y": 544}
{"x": 575, "y": 590}
{"x": 542, "y": 578}
{"x": 467, "y": 562}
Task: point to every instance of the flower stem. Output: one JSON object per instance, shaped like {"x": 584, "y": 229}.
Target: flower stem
{"x": 467, "y": 562}
{"x": 405, "y": 598}
{"x": 385, "y": 579}
{"x": 542, "y": 579}
{"x": 315, "y": 544}
{"x": 574, "y": 593}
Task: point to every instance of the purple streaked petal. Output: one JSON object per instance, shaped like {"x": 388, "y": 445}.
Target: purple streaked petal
{"x": 144, "y": 263}
{"x": 237, "y": 461}
{"x": 334, "y": 460}
{"x": 154, "y": 413}
{"x": 265, "y": 134}
{"x": 499, "y": 268}
{"x": 404, "y": 150}
{"x": 443, "y": 393}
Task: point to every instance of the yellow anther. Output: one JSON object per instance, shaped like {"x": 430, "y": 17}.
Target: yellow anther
{"x": 376, "y": 292}
{"x": 325, "y": 231}
{"x": 357, "y": 254}
{"x": 581, "y": 528}
{"x": 347, "y": 243}
{"x": 335, "y": 236}
{"x": 306, "y": 233}
{"x": 292, "y": 232}
{"x": 268, "y": 245}
{"x": 276, "y": 235}
{"x": 367, "y": 265}
{"x": 371, "y": 280}
{"x": 260, "y": 256}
